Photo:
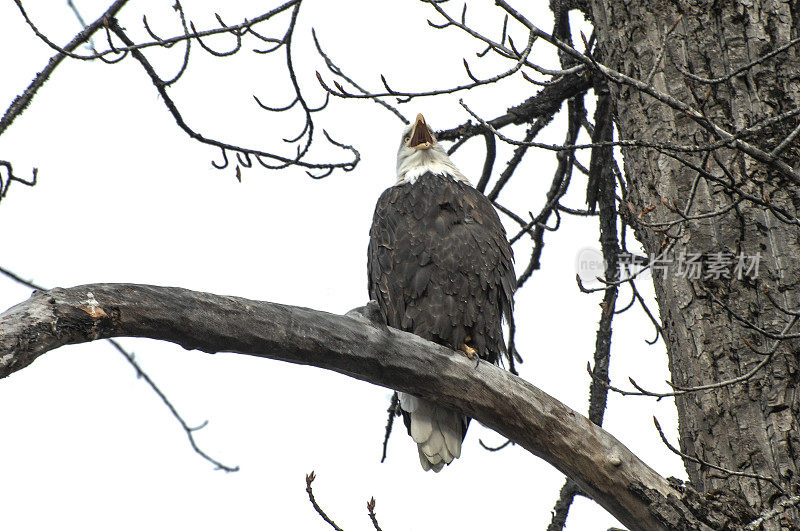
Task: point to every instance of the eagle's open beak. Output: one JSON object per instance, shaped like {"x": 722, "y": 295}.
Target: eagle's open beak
{"x": 421, "y": 136}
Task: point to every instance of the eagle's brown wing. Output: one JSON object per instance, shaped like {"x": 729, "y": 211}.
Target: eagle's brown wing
{"x": 440, "y": 265}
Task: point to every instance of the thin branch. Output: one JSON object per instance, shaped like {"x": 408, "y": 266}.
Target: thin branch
{"x": 790, "y": 138}
{"x": 22, "y": 101}
{"x": 525, "y": 226}
{"x": 11, "y": 178}
{"x": 393, "y": 412}
{"x": 516, "y": 158}
{"x": 602, "y": 192}
{"x": 371, "y": 511}
{"x": 406, "y": 96}
{"x": 18, "y": 279}
{"x": 81, "y": 21}
{"x": 748, "y": 324}
{"x": 488, "y": 163}
{"x": 236, "y": 30}
{"x": 338, "y": 71}
{"x": 680, "y": 390}
{"x": 143, "y": 375}
{"x": 743, "y": 68}
{"x": 558, "y": 188}
{"x": 609, "y": 242}
{"x": 498, "y": 47}
{"x": 186, "y": 428}
{"x": 672, "y": 102}
{"x": 779, "y": 212}
{"x": 309, "y": 480}
{"x": 283, "y": 161}
{"x": 493, "y": 448}
{"x": 543, "y": 105}
{"x": 665, "y": 147}
{"x": 726, "y": 471}
{"x": 562, "y": 505}
{"x": 656, "y": 322}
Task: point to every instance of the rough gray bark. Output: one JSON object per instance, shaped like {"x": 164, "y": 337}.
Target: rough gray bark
{"x": 751, "y": 426}
{"x": 358, "y": 347}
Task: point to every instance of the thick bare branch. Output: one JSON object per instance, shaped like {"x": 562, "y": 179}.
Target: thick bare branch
{"x": 352, "y": 345}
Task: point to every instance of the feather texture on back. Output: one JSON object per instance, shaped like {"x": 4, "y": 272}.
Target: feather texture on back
{"x": 440, "y": 267}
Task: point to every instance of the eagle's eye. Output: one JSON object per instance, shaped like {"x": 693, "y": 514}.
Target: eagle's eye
{"x": 406, "y": 139}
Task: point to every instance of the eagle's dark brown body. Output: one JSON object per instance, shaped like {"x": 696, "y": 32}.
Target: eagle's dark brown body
{"x": 440, "y": 266}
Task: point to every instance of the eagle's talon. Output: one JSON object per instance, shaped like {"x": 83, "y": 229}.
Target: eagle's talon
{"x": 469, "y": 351}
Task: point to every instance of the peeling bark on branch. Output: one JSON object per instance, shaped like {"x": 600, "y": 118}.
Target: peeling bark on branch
{"x": 356, "y": 346}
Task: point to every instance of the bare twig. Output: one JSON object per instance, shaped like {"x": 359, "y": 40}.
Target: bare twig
{"x": 743, "y": 68}
{"x": 562, "y": 505}
{"x": 672, "y": 102}
{"x": 488, "y": 163}
{"x": 143, "y": 375}
{"x": 680, "y": 390}
{"x": 407, "y": 96}
{"x": 22, "y": 101}
{"x": 310, "y": 479}
{"x": 726, "y": 471}
{"x": 237, "y": 30}
{"x": 282, "y": 161}
{"x": 372, "y": 517}
{"x": 338, "y": 71}
{"x": 393, "y": 412}
{"x": 493, "y": 448}
{"x": 10, "y": 178}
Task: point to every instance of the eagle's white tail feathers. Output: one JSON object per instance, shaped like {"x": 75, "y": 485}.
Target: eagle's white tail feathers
{"x": 436, "y": 430}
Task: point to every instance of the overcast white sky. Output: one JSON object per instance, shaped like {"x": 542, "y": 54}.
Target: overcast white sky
{"x": 125, "y": 196}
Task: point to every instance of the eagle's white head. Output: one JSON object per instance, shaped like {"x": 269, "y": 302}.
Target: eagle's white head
{"x": 420, "y": 153}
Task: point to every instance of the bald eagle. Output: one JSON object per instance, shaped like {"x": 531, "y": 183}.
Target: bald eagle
{"x": 439, "y": 266}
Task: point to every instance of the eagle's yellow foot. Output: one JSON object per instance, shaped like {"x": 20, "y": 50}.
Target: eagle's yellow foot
{"x": 469, "y": 351}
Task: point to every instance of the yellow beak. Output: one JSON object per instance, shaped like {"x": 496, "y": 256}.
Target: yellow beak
{"x": 421, "y": 136}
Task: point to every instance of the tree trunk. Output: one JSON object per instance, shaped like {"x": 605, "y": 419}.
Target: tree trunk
{"x": 751, "y": 426}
